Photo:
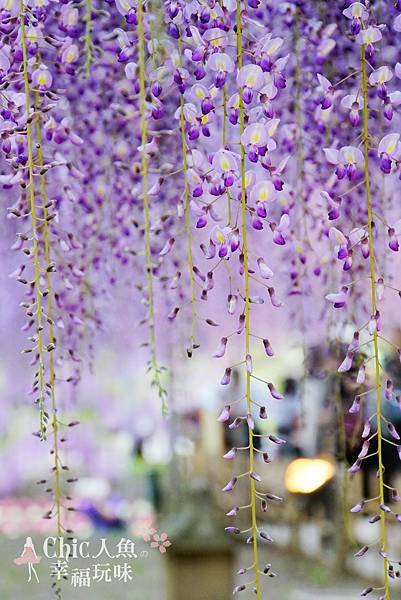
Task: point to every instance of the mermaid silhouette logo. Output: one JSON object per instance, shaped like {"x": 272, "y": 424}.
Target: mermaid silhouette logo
{"x": 30, "y": 558}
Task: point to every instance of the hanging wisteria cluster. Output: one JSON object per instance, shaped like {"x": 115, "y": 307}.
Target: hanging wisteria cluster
{"x": 233, "y": 162}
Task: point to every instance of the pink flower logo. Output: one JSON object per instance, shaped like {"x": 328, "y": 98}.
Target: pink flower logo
{"x": 156, "y": 540}
{"x": 161, "y": 541}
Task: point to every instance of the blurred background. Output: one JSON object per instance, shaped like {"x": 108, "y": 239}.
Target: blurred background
{"x": 136, "y": 474}
{"x": 140, "y": 473}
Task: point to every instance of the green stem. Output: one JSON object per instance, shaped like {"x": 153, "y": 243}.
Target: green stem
{"x": 88, "y": 37}
{"x": 247, "y": 310}
{"x": 155, "y": 368}
{"x": 186, "y": 207}
{"x": 52, "y": 339}
{"x": 374, "y": 307}
{"x": 38, "y": 293}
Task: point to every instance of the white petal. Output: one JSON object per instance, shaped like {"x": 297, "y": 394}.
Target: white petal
{"x": 331, "y": 155}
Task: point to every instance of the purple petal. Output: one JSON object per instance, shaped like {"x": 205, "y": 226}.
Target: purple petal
{"x": 231, "y": 454}
{"x": 230, "y": 485}
{"x": 225, "y": 414}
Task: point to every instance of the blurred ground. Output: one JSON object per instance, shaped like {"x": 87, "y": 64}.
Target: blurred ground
{"x": 298, "y": 579}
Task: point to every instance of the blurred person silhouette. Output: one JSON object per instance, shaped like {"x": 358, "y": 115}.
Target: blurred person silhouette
{"x": 150, "y": 472}
{"x": 314, "y": 392}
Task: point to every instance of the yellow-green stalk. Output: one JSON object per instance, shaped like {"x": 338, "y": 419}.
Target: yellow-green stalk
{"x": 247, "y": 310}
{"x": 374, "y": 308}
{"x": 88, "y": 37}
{"x": 52, "y": 340}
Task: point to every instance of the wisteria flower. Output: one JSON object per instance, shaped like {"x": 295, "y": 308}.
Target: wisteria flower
{"x": 226, "y": 163}
{"x": 391, "y": 100}
{"x": 368, "y": 37}
{"x": 191, "y": 118}
{"x": 201, "y": 92}
{"x": 358, "y": 13}
{"x": 341, "y": 243}
{"x": 264, "y": 269}
{"x": 222, "y": 64}
{"x": 379, "y": 78}
{"x": 393, "y": 233}
{"x": 281, "y": 229}
{"x": 277, "y": 72}
{"x": 327, "y": 92}
{"x": 195, "y": 183}
{"x": 354, "y": 104}
{"x": 126, "y": 48}
{"x": 250, "y": 78}
{"x": 127, "y": 9}
{"x": 338, "y": 299}
{"x": 356, "y": 235}
{"x": 261, "y": 193}
{"x": 42, "y": 78}
{"x": 347, "y": 363}
{"x": 346, "y": 160}
{"x": 216, "y": 38}
{"x": 69, "y": 56}
{"x": 69, "y": 22}
{"x": 32, "y": 39}
{"x": 225, "y": 239}
{"x": 256, "y": 139}
{"x": 267, "y": 48}
{"x": 271, "y": 45}
{"x": 267, "y": 94}
{"x": 389, "y": 149}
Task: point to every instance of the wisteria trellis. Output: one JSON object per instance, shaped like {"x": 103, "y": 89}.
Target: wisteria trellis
{"x": 227, "y": 156}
